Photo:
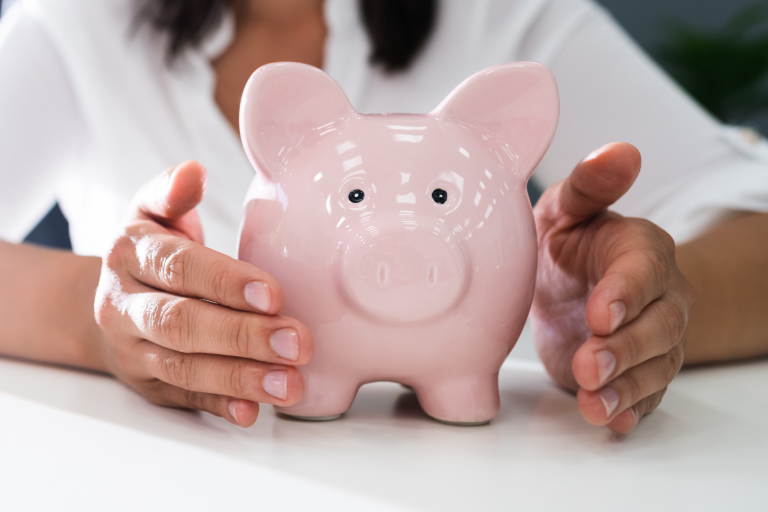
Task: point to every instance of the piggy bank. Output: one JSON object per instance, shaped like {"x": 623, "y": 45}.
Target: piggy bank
{"x": 405, "y": 243}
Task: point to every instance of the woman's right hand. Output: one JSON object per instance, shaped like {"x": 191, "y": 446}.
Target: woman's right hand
{"x": 223, "y": 354}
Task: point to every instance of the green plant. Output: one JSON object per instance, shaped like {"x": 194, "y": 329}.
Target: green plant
{"x": 725, "y": 69}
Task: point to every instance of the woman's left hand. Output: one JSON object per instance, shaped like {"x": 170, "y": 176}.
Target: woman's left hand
{"x": 611, "y": 309}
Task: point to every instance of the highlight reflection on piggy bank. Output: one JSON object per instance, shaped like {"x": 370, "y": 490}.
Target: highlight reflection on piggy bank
{"x": 406, "y": 243}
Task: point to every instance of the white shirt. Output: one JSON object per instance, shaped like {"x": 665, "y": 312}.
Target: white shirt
{"x": 89, "y": 111}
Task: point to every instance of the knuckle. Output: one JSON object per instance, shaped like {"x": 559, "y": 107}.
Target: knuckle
{"x": 675, "y": 362}
{"x": 648, "y": 404}
{"x": 657, "y": 269}
{"x": 652, "y": 402}
{"x": 657, "y": 233}
{"x": 239, "y": 378}
{"x": 104, "y": 311}
{"x": 241, "y": 334}
{"x": 661, "y": 248}
{"x": 632, "y": 347}
{"x": 673, "y": 321}
{"x": 641, "y": 229}
{"x": 640, "y": 409}
{"x": 195, "y": 401}
{"x": 171, "y": 266}
{"x": 109, "y": 303}
{"x": 219, "y": 279}
{"x": 660, "y": 374}
{"x": 177, "y": 369}
{"x": 665, "y": 239}
{"x": 115, "y": 255}
{"x": 634, "y": 384}
{"x": 167, "y": 320}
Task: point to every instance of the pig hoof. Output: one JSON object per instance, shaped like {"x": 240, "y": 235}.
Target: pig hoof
{"x": 462, "y": 423}
{"x": 330, "y": 417}
{"x": 409, "y": 388}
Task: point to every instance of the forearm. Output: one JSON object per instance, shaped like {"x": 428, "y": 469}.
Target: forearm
{"x": 728, "y": 268}
{"x": 46, "y": 306}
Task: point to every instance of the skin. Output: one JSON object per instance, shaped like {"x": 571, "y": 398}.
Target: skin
{"x": 613, "y": 282}
{"x": 136, "y": 314}
{"x": 176, "y": 350}
{"x": 268, "y": 31}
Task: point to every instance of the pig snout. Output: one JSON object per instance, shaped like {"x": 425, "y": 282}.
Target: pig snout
{"x": 404, "y": 277}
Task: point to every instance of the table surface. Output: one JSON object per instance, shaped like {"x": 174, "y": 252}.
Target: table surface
{"x": 73, "y": 440}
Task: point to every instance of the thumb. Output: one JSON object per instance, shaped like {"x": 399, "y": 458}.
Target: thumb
{"x": 170, "y": 198}
{"x": 596, "y": 182}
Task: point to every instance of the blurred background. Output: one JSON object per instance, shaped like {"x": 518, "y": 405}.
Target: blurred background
{"x": 716, "y": 49}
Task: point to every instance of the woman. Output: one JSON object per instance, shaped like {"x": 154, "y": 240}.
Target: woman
{"x": 96, "y": 96}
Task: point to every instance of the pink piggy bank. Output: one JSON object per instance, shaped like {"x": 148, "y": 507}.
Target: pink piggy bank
{"x": 406, "y": 243}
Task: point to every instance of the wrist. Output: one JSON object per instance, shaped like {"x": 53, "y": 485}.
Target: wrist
{"x": 86, "y": 345}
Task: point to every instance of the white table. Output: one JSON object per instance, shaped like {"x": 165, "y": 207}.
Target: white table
{"x": 75, "y": 441}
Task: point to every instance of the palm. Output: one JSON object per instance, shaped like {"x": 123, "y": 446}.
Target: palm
{"x": 566, "y": 277}
{"x": 611, "y": 307}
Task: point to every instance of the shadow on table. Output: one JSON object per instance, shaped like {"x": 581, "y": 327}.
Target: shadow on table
{"x": 538, "y": 424}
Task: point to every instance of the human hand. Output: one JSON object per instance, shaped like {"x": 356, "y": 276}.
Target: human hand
{"x": 222, "y": 354}
{"x": 611, "y": 308}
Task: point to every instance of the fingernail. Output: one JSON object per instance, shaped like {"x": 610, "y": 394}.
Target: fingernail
{"x": 285, "y": 342}
{"x": 618, "y": 311}
{"x": 257, "y": 296}
{"x": 276, "y": 384}
{"x": 606, "y": 363}
{"x": 610, "y": 400}
{"x": 233, "y": 409}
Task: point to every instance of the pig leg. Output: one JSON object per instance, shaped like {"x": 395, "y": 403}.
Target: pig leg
{"x": 466, "y": 400}
{"x": 325, "y": 398}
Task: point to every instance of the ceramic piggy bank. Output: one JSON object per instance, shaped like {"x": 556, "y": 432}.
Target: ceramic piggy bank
{"x": 405, "y": 243}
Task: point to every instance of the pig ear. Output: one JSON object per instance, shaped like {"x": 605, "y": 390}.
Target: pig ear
{"x": 515, "y": 103}
{"x": 282, "y": 104}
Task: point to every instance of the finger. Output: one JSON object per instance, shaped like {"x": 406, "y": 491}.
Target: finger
{"x": 242, "y": 413}
{"x": 600, "y": 180}
{"x": 186, "y": 268}
{"x": 636, "y": 269}
{"x": 657, "y": 331}
{"x": 228, "y": 376}
{"x": 170, "y": 198}
{"x": 194, "y": 326}
{"x": 172, "y": 193}
{"x": 602, "y": 406}
{"x": 596, "y": 182}
{"x": 626, "y": 422}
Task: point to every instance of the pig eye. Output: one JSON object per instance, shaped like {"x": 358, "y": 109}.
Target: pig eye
{"x": 439, "y": 195}
{"x": 356, "y": 195}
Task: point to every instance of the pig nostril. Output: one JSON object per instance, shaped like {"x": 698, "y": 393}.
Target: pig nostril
{"x": 383, "y": 274}
{"x": 431, "y": 275}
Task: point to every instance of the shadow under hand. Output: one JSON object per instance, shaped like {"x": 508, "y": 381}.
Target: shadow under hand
{"x": 538, "y": 430}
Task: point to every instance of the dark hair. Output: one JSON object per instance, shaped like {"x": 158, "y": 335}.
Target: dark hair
{"x": 397, "y": 29}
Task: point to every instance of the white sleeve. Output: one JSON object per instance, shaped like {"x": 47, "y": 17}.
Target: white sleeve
{"x": 695, "y": 170}
{"x": 41, "y": 128}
